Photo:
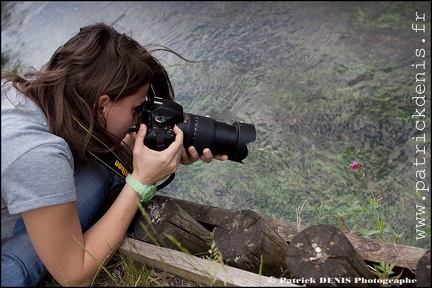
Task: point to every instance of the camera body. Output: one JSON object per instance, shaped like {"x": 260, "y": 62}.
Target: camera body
{"x": 160, "y": 116}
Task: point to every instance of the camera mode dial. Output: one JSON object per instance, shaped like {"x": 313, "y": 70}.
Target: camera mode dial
{"x": 160, "y": 119}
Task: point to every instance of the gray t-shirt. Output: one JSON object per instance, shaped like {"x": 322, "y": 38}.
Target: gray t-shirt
{"x": 37, "y": 167}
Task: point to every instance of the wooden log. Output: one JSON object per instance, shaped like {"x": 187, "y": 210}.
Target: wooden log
{"x": 247, "y": 242}
{"x": 324, "y": 253}
{"x": 423, "y": 271}
{"x": 205, "y": 214}
{"x": 207, "y": 272}
{"x": 165, "y": 217}
{"x": 372, "y": 250}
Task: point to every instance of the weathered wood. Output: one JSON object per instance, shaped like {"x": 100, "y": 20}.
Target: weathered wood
{"x": 247, "y": 242}
{"x": 423, "y": 272}
{"x": 168, "y": 218}
{"x": 324, "y": 252}
{"x": 195, "y": 269}
{"x": 205, "y": 214}
{"x": 372, "y": 250}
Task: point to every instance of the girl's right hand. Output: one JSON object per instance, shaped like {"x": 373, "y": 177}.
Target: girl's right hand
{"x": 151, "y": 166}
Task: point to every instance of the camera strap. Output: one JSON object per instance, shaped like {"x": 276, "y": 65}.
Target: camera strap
{"x": 114, "y": 162}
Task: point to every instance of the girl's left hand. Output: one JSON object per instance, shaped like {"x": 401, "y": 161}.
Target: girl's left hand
{"x": 193, "y": 156}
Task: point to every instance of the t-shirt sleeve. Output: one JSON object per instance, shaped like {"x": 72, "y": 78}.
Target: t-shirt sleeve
{"x": 43, "y": 176}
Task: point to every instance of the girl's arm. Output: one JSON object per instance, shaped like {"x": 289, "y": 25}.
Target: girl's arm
{"x": 74, "y": 258}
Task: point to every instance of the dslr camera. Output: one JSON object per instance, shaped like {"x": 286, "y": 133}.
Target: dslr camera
{"x": 160, "y": 115}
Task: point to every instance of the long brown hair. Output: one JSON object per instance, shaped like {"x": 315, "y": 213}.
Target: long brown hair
{"x": 96, "y": 61}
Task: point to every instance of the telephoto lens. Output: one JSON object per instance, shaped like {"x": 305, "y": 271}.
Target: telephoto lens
{"x": 160, "y": 115}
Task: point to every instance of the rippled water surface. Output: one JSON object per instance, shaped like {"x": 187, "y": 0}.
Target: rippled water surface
{"x": 324, "y": 83}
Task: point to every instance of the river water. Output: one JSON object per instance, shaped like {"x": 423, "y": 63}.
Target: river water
{"x": 324, "y": 83}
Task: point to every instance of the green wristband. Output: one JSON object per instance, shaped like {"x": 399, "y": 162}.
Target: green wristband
{"x": 146, "y": 192}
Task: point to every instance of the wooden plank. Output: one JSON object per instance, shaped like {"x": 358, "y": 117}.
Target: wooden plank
{"x": 370, "y": 249}
{"x": 199, "y": 270}
{"x": 375, "y": 250}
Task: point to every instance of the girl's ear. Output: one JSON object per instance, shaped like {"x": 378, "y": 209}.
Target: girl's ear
{"x": 104, "y": 102}
{"x": 104, "y": 105}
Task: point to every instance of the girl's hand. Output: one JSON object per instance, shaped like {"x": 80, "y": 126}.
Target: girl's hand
{"x": 151, "y": 166}
{"x": 193, "y": 156}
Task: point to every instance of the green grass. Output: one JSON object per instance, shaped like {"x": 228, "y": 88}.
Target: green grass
{"x": 125, "y": 272}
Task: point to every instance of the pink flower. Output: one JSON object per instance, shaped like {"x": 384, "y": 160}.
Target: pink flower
{"x": 355, "y": 165}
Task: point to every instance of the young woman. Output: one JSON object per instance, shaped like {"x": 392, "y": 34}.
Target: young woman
{"x": 54, "y": 121}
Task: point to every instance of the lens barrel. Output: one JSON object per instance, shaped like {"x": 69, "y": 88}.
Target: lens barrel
{"x": 222, "y": 138}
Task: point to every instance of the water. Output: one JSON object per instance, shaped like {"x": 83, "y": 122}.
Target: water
{"x": 324, "y": 83}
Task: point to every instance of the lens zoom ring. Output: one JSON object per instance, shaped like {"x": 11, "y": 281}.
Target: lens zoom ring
{"x": 203, "y": 133}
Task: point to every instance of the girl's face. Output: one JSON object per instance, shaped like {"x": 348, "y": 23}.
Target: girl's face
{"x": 122, "y": 114}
